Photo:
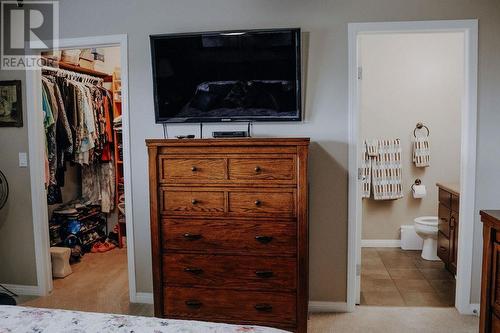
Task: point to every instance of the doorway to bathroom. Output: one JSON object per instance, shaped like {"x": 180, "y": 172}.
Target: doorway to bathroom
{"x": 412, "y": 135}
{"x": 411, "y": 96}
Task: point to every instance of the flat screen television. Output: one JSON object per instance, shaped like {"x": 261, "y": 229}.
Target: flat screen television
{"x": 251, "y": 75}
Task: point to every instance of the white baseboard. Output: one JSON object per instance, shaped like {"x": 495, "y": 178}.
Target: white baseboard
{"x": 380, "y": 243}
{"x": 22, "y": 289}
{"x": 327, "y": 306}
{"x": 146, "y": 298}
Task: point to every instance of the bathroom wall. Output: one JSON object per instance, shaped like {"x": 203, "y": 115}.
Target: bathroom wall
{"x": 410, "y": 78}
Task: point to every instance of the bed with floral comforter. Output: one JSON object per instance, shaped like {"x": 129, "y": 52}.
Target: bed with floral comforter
{"x": 18, "y": 319}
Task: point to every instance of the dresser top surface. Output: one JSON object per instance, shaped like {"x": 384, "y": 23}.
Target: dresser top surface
{"x": 228, "y": 142}
{"x": 491, "y": 214}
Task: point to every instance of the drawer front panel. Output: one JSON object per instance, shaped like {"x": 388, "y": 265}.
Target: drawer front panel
{"x": 227, "y": 236}
{"x": 268, "y": 169}
{"x": 445, "y": 198}
{"x": 217, "y": 304}
{"x": 444, "y": 220}
{"x": 455, "y": 203}
{"x": 233, "y": 272}
{"x": 192, "y": 202}
{"x": 443, "y": 250}
{"x": 190, "y": 170}
{"x": 262, "y": 203}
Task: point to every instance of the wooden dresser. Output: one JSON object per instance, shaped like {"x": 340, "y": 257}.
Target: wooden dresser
{"x": 448, "y": 222}
{"x": 229, "y": 230}
{"x": 490, "y": 279}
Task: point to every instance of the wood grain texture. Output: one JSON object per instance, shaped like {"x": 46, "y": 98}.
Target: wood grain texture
{"x": 216, "y": 304}
{"x": 268, "y": 203}
{"x": 260, "y": 169}
{"x": 491, "y": 227}
{"x": 188, "y": 202}
{"x": 445, "y": 198}
{"x": 231, "y": 272}
{"x": 231, "y": 230}
{"x": 179, "y": 169}
{"x": 444, "y": 219}
{"x": 230, "y": 236}
{"x": 155, "y": 235}
{"x": 448, "y": 225}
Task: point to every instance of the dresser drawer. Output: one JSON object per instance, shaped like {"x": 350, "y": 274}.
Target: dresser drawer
{"x": 233, "y": 272}
{"x": 228, "y": 236}
{"x": 262, "y": 203}
{"x": 174, "y": 170}
{"x": 220, "y": 304}
{"x": 262, "y": 169}
{"x": 444, "y": 220}
{"x": 175, "y": 201}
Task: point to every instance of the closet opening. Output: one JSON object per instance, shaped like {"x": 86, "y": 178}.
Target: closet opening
{"x": 84, "y": 179}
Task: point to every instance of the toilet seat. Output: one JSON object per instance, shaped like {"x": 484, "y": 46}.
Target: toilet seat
{"x": 431, "y": 221}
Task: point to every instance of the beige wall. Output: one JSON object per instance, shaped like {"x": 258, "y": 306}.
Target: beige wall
{"x": 410, "y": 78}
{"x": 325, "y": 21}
{"x": 17, "y": 254}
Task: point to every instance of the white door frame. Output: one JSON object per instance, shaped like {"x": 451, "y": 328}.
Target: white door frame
{"x": 36, "y": 139}
{"x": 468, "y": 152}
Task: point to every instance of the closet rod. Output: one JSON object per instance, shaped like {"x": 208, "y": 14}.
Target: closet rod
{"x": 73, "y": 75}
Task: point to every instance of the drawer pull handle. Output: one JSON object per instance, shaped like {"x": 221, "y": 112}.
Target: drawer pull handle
{"x": 258, "y": 169}
{"x": 193, "y": 168}
{"x": 258, "y": 202}
{"x": 193, "y": 270}
{"x": 264, "y": 274}
{"x": 189, "y": 236}
{"x": 194, "y": 201}
{"x": 263, "y": 239}
{"x": 195, "y": 304}
{"x": 263, "y": 307}
{"x": 443, "y": 248}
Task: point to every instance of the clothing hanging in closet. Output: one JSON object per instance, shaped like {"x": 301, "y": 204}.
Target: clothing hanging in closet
{"x": 78, "y": 128}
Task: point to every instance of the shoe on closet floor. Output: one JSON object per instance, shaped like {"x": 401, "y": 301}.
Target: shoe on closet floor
{"x": 95, "y": 247}
{"x": 106, "y": 246}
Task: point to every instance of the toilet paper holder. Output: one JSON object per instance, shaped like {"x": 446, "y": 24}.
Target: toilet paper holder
{"x": 417, "y": 182}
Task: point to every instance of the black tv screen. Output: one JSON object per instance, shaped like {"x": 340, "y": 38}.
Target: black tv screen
{"x": 249, "y": 75}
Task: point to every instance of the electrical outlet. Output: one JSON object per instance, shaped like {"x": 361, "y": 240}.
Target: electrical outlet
{"x": 23, "y": 160}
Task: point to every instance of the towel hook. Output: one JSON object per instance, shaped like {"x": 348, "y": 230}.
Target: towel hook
{"x": 420, "y": 126}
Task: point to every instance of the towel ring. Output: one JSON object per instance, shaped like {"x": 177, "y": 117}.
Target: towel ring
{"x": 420, "y": 126}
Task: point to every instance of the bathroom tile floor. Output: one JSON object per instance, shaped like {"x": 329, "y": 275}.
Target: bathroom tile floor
{"x": 393, "y": 277}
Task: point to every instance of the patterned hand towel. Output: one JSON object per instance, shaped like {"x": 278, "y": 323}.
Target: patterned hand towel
{"x": 421, "y": 152}
{"x": 372, "y": 147}
{"x": 387, "y": 171}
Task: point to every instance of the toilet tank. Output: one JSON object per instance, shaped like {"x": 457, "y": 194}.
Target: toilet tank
{"x": 409, "y": 238}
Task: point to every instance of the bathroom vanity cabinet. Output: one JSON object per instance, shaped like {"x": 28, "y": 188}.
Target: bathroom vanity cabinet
{"x": 448, "y": 225}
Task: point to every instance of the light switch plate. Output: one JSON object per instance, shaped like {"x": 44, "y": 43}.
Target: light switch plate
{"x": 23, "y": 160}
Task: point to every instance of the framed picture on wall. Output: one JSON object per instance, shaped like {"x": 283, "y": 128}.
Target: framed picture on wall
{"x": 11, "y": 104}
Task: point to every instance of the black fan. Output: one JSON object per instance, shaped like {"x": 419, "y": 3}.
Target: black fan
{"x": 5, "y": 298}
{"x": 4, "y": 190}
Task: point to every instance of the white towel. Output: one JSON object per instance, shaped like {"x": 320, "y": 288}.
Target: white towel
{"x": 421, "y": 152}
{"x": 383, "y": 172}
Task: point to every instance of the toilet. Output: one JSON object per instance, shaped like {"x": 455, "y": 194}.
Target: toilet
{"x": 427, "y": 228}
